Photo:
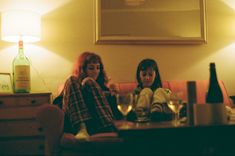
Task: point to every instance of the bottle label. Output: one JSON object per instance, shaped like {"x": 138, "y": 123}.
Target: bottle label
{"x": 22, "y": 77}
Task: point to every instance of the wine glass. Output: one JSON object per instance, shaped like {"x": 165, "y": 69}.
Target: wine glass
{"x": 175, "y": 103}
{"x": 142, "y": 108}
{"x": 124, "y": 104}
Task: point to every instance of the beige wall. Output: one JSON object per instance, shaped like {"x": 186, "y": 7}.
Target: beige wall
{"x": 69, "y": 30}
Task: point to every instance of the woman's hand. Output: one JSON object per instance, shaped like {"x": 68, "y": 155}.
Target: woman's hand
{"x": 87, "y": 79}
{"x": 113, "y": 88}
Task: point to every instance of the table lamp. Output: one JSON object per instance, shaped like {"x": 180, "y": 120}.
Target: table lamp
{"x": 21, "y": 26}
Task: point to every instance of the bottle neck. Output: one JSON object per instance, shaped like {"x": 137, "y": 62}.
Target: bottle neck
{"x": 213, "y": 76}
{"x": 21, "y": 48}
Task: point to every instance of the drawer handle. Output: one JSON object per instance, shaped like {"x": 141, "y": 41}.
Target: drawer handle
{"x": 33, "y": 102}
{"x": 40, "y": 129}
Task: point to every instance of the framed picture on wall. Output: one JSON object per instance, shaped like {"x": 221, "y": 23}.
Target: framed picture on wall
{"x": 150, "y": 22}
{"x": 5, "y": 83}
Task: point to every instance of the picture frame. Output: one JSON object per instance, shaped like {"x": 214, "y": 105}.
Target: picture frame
{"x": 150, "y": 22}
{"x": 5, "y": 83}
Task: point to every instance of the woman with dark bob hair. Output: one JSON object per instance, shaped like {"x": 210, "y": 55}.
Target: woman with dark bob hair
{"x": 149, "y": 83}
{"x": 144, "y": 66}
{"x": 84, "y": 97}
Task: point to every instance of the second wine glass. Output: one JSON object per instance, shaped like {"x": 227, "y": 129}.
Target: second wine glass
{"x": 124, "y": 103}
{"x": 175, "y": 103}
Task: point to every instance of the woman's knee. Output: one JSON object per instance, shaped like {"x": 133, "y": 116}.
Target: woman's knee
{"x": 146, "y": 91}
{"x": 92, "y": 88}
{"x": 90, "y": 84}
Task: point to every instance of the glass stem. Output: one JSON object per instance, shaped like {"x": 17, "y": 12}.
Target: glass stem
{"x": 125, "y": 118}
{"x": 177, "y": 116}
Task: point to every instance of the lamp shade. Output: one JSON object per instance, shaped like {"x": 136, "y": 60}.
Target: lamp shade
{"x": 21, "y": 24}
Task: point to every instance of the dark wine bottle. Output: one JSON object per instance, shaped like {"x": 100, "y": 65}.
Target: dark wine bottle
{"x": 214, "y": 94}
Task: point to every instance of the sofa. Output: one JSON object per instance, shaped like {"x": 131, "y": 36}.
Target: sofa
{"x": 57, "y": 142}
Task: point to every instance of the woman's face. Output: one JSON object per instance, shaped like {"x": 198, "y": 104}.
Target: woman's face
{"x": 93, "y": 70}
{"x": 147, "y": 77}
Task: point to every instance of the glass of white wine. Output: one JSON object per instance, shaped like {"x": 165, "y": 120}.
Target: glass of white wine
{"x": 175, "y": 103}
{"x": 124, "y": 103}
{"x": 142, "y": 108}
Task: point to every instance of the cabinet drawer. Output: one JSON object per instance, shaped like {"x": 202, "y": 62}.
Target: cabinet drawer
{"x": 20, "y": 128}
{"x": 24, "y": 100}
{"x": 18, "y": 113}
{"x": 22, "y": 147}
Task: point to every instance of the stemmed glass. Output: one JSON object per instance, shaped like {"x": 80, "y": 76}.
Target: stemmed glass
{"x": 175, "y": 103}
{"x": 124, "y": 104}
{"x": 142, "y": 108}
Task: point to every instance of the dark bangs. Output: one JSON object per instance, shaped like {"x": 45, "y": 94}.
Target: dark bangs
{"x": 93, "y": 59}
{"x": 148, "y": 64}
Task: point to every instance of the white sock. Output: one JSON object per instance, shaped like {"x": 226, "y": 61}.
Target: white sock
{"x": 82, "y": 134}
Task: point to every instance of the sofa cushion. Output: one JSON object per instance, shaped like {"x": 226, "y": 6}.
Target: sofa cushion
{"x": 98, "y": 144}
{"x": 130, "y": 86}
{"x": 68, "y": 139}
{"x": 126, "y": 86}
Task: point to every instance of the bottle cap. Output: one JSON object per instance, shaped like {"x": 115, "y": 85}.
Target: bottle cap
{"x": 212, "y": 65}
{"x": 20, "y": 44}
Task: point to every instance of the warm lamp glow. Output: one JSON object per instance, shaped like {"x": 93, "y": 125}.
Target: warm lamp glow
{"x": 230, "y": 3}
{"x": 21, "y": 23}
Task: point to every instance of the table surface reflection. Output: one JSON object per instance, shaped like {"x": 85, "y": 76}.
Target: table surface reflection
{"x": 153, "y": 138}
{"x": 126, "y": 125}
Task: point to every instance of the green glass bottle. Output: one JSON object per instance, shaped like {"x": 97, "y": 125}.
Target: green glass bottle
{"x": 214, "y": 94}
{"x": 21, "y": 72}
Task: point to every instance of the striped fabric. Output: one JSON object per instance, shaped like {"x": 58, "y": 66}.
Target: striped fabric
{"x": 160, "y": 98}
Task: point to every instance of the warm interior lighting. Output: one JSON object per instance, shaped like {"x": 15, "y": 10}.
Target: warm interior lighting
{"x": 23, "y": 24}
{"x": 41, "y": 6}
{"x": 230, "y": 3}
